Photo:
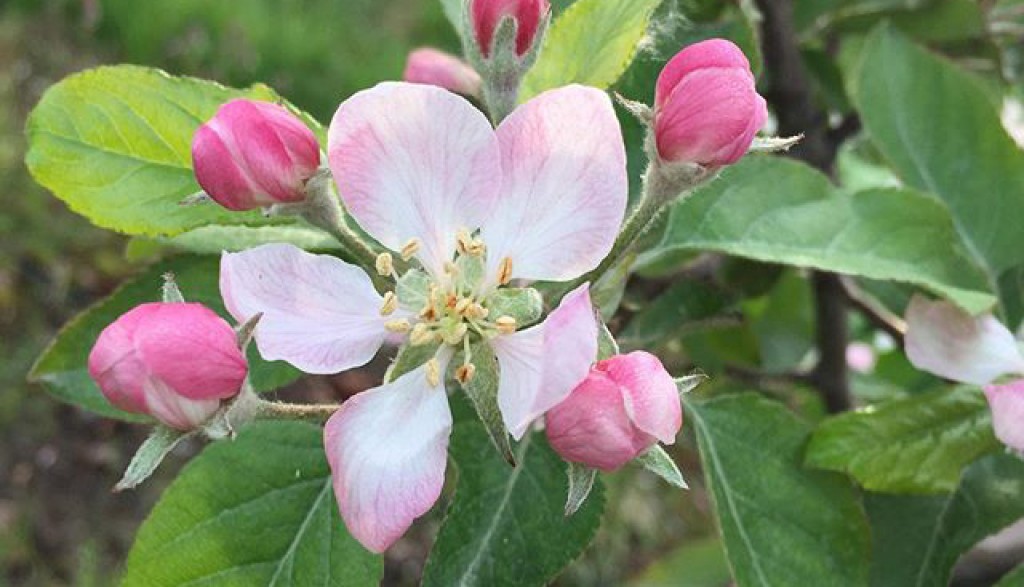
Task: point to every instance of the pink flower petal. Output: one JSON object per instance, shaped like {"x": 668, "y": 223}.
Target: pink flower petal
{"x": 194, "y": 335}
{"x": 116, "y": 366}
{"x": 387, "y": 448}
{"x": 593, "y": 427}
{"x": 1007, "y": 405}
{"x": 437, "y": 68}
{"x": 541, "y": 365}
{"x": 565, "y": 185}
{"x": 320, "y": 313}
{"x": 650, "y": 394}
{"x": 414, "y": 161}
{"x": 713, "y": 53}
{"x": 174, "y": 410}
{"x": 944, "y": 340}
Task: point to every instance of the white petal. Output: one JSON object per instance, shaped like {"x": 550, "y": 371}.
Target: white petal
{"x": 320, "y": 313}
{"x": 944, "y": 340}
{"x": 175, "y": 410}
{"x": 414, "y": 161}
{"x": 565, "y": 185}
{"x": 541, "y": 365}
{"x": 387, "y": 448}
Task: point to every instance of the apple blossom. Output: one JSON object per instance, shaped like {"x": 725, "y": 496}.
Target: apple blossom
{"x": 706, "y": 108}
{"x": 172, "y": 361}
{"x": 253, "y": 154}
{"x": 473, "y": 208}
{"x": 437, "y": 68}
{"x": 944, "y": 340}
{"x": 486, "y": 16}
{"x": 626, "y": 404}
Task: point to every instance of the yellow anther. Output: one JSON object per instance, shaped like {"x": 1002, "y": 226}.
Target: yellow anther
{"x": 505, "y": 271}
{"x": 467, "y": 245}
{"x": 506, "y": 324}
{"x": 410, "y": 248}
{"x": 450, "y": 268}
{"x": 400, "y": 326}
{"x": 464, "y": 374}
{"x": 429, "y": 313}
{"x": 433, "y": 373}
{"x": 390, "y": 304}
{"x": 462, "y": 305}
{"x": 456, "y": 334}
{"x": 385, "y": 265}
{"x": 420, "y": 335}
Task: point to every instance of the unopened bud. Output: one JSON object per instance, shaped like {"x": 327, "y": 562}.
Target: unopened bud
{"x": 410, "y": 248}
{"x": 390, "y": 304}
{"x": 399, "y": 326}
{"x": 385, "y": 265}
{"x": 433, "y": 373}
{"x": 505, "y": 271}
{"x": 253, "y": 154}
{"x": 464, "y": 374}
{"x": 506, "y": 324}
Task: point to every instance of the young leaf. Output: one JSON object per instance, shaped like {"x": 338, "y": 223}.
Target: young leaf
{"x": 918, "y": 444}
{"x": 581, "y": 481}
{"x": 782, "y": 211}
{"x": 968, "y": 160}
{"x": 482, "y": 391}
{"x": 62, "y": 366}
{"x": 782, "y": 524}
{"x": 115, "y": 144}
{"x": 151, "y": 453}
{"x": 591, "y": 43}
{"x": 917, "y": 540}
{"x": 258, "y": 510}
{"x": 657, "y": 461}
{"x": 507, "y": 526}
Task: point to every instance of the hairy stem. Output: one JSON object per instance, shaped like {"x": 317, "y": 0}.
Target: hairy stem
{"x": 317, "y": 413}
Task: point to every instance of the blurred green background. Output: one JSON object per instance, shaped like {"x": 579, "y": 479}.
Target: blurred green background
{"x": 59, "y": 522}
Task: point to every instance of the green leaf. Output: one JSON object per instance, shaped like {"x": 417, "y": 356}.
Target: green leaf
{"x": 591, "y": 43}
{"x": 1014, "y": 578}
{"x": 782, "y": 524}
{"x": 968, "y": 160}
{"x": 151, "y": 453}
{"x": 699, "y": 563}
{"x": 258, "y": 510}
{"x": 115, "y": 144}
{"x": 62, "y": 366}
{"x": 685, "y": 307}
{"x": 784, "y": 324}
{"x": 657, "y": 461}
{"x": 782, "y": 211}
{"x": 581, "y": 482}
{"x": 918, "y": 444}
{"x": 917, "y": 540}
{"x": 482, "y": 391}
{"x": 507, "y": 526}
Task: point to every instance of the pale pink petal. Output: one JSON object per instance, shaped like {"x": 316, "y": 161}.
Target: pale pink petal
{"x": 320, "y": 313}
{"x": 437, "y": 68}
{"x": 414, "y": 161}
{"x": 541, "y": 365}
{"x": 387, "y": 448}
{"x": 944, "y": 340}
{"x": 649, "y": 393}
{"x": 565, "y": 185}
{"x": 174, "y": 410}
{"x": 1007, "y": 404}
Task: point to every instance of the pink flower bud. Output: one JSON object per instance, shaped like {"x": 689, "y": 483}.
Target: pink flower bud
{"x": 706, "y": 108}
{"x": 861, "y": 357}
{"x": 253, "y": 154}
{"x": 486, "y": 16}
{"x": 624, "y": 406}
{"x": 1007, "y": 405}
{"x": 437, "y": 68}
{"x": 172, "y": 361}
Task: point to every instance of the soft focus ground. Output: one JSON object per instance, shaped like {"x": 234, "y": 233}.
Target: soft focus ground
{"x": 59, "y": 522}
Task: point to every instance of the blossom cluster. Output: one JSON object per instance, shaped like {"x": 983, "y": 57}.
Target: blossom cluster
{"x": 466, "y": 217}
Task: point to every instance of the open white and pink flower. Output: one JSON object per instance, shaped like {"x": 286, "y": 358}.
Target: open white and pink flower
{"x": 944, "y": 340}
{"x": 422, "y": 171}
